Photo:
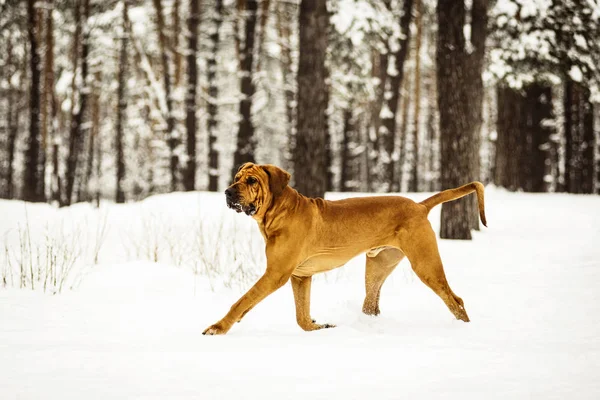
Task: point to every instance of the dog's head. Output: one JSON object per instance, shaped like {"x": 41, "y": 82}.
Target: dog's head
{"x": 255, "y": 187}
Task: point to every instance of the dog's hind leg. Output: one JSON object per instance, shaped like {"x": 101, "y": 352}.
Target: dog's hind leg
{"x": 422, "y": 252}
{"x": 378, "y": 268}
{"x": 301, "y": 287}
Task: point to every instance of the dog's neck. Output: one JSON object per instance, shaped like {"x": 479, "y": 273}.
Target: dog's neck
{"x": 281, "y": 208}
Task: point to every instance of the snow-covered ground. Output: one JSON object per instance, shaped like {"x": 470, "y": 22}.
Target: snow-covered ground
{"x": 131, "y": 327}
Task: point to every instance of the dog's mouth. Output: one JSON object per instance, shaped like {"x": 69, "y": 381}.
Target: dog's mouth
{"x": 249, "y": 209}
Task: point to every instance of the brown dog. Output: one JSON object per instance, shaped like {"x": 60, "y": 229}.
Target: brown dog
{"x": 305, "y": 236}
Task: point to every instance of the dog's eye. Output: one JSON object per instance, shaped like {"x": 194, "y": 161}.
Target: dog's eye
{"x": 251, "y": 181}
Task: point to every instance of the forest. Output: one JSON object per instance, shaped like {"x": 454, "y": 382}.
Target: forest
{"x": 121, "y": 99}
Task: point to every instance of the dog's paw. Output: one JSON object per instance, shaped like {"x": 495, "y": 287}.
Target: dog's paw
{"x": 371, "y": 309}
{"x": 313, "y": 326}
{"x": 317, "y": 327}
{"x": 215, "y": 329}
{"x": 326, "y": 326}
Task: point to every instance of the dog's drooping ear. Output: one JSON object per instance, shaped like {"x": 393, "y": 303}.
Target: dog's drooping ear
{"x": 278, "y": 178}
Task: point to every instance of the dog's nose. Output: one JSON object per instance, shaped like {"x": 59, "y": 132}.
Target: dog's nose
{"x": 229, "y": 193}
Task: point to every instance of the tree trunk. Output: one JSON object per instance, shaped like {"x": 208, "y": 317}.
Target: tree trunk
{"x": 93, "y": 138}
{"x": 328, "y": 139}
{"x": 348, "y": 128}
{"x": 31, "y": 186}
{"x": 172, "y": 139}
{"x": 388, "y": 132}
{"x": 175, "y": 40}
{"x": 121, "y": 106}
{"x": 507, "y": 128}
{"x": 459, "y": 98}
{"x": 246, "y": 143}
{"x": 49, "y": 95}
{"x": 189, "y": 181}
{"x": 474, "y": 70}
{"x": 523, "y": 147}
{"x": 76, "y": 136}
{"x": 579, "y": 151}
{"x": 310, "y": 152}
{"x": 380, "y": 66}
{"x": 588, "y": 144}
{"x": 403, "y": 135}
{"x": 414, "y": 181}
{"x": 262, "y": 33}
{"x": 284, "y": 29}
{"x": 213, "y": 95}
{"x": 48, "y": 92}
{"x": 12, "y": 128}
{"x": 380, "y": 62}
{"x": 539, "y": 105}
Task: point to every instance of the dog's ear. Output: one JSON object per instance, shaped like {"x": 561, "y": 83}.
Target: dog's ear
{"x": 244, "y": 166}
{"x": 278, "y": 178}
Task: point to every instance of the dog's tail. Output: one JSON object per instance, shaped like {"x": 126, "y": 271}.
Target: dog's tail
{"x": 453, "y": 194}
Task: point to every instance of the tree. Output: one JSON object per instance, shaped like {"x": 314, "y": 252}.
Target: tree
{"x": 189, "y": 181}
{"x": 310, "y": 164}
{"x": 94, "y": 142}
{"x": 544, "y": 43}
{"x": 50, "y": 106}
{"x": 579, "y": 134}
{"x": 175, "y": 40}
{"x": 460, "y": 95}
{"x": 76, "y": 134}
{"x": 414, "y": 166}
{"x": 523, "y": 142}
{"x": 12, "y": 123}
{"x": 391, "y": 98}
{"x": 31, "y": 186}
{"x": 246, "y": 142}
{"x": 121, "y": 106}
{"x": 213, "y": 95}
{"x": 285, "y": 17}
{"x": 173, "y": 140}
{"x": 403, "y": 133}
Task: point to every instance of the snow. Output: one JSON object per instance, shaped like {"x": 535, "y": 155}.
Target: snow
{"x": 575, "y": 73}
{"x": 132, "y": 328}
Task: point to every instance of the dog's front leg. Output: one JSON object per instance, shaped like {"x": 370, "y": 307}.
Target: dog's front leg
{"x": 279, "y": 270}
{"x": 266, "y": 285}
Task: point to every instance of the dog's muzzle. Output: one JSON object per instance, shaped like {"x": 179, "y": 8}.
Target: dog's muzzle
{"x": 232, "y": 197}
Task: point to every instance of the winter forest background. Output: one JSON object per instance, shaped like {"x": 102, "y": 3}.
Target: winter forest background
{"x": 121, "y": 99}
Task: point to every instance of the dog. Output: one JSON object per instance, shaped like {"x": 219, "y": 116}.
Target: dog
{"x": 305, "y": 236}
